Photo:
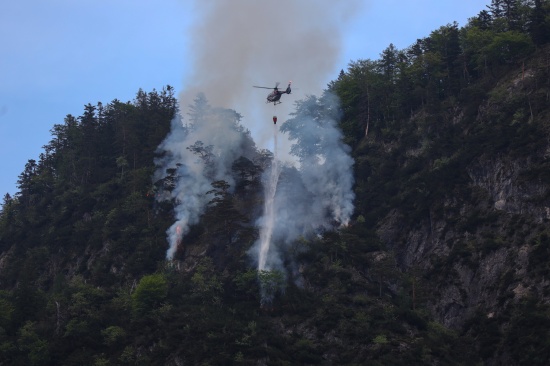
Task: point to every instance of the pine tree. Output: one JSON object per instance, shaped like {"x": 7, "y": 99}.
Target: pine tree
{"x": 539, "y": 27}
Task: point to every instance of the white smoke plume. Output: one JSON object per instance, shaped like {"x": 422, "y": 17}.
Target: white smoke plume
{"x": 235, "y": 45}
{"x": 240, "y": 43}
{"x": 326, "y": 166}
{"x": 318, "y": 196}
{"x": 196, "y": 155}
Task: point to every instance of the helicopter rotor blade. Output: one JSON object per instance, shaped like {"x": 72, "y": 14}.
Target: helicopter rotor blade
{"x": 262, "y": 87}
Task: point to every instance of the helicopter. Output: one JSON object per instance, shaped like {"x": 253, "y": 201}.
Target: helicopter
{"x": 275, "y": 96}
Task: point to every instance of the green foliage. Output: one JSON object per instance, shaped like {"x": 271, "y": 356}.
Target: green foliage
{"x": 149, "y": 294}
{"x": 246, "y": 283}
{"x": 380, "y": 339}
{"x": 206, "y": 285}
{"x": 30, "y": 343}
{"x": 539, "y": 258}
{"x": 508, "y": 47}
{"x": 528, "y": 339}
{"x": 6, "y": 310}
{"x": 113, "y": 335}
{"x": 271, "y": 283}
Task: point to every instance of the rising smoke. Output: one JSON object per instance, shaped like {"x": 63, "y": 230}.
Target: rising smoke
{"x": 241, "y": 43}
{"x": 194, "y": 156}
{"x": 237, "y": 44}
{"x": 317, "y": 196}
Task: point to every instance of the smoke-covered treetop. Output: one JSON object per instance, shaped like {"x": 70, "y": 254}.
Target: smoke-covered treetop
{"x": 213, "y": 145}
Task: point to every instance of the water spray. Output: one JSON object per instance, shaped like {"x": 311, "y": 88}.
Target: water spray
{"x": 266, "y": 232}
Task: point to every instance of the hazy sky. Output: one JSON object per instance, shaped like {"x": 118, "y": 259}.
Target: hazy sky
{"x": 58, "y": 55}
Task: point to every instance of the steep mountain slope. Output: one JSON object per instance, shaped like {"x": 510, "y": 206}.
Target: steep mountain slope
{"x": 460, "y": 194}
{"x": 84, "y": 279}
{"x": 445, "y": 260}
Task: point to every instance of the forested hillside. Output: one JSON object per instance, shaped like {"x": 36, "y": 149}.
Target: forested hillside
{"x": 445, "y": 261}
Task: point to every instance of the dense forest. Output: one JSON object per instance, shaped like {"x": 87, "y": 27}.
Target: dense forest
{"x": 446, "y": 260}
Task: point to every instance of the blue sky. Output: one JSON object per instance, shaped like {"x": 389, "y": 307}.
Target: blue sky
{"x": 58, "y": 55}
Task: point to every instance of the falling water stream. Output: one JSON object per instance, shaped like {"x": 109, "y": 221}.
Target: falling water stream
{"x": 269, "y": 212}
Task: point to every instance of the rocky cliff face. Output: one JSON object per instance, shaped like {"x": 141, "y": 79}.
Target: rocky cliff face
{"x": 478, "y": 242}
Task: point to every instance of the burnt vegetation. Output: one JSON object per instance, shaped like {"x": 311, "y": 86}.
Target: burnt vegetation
{"x": 446, "y": 260}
